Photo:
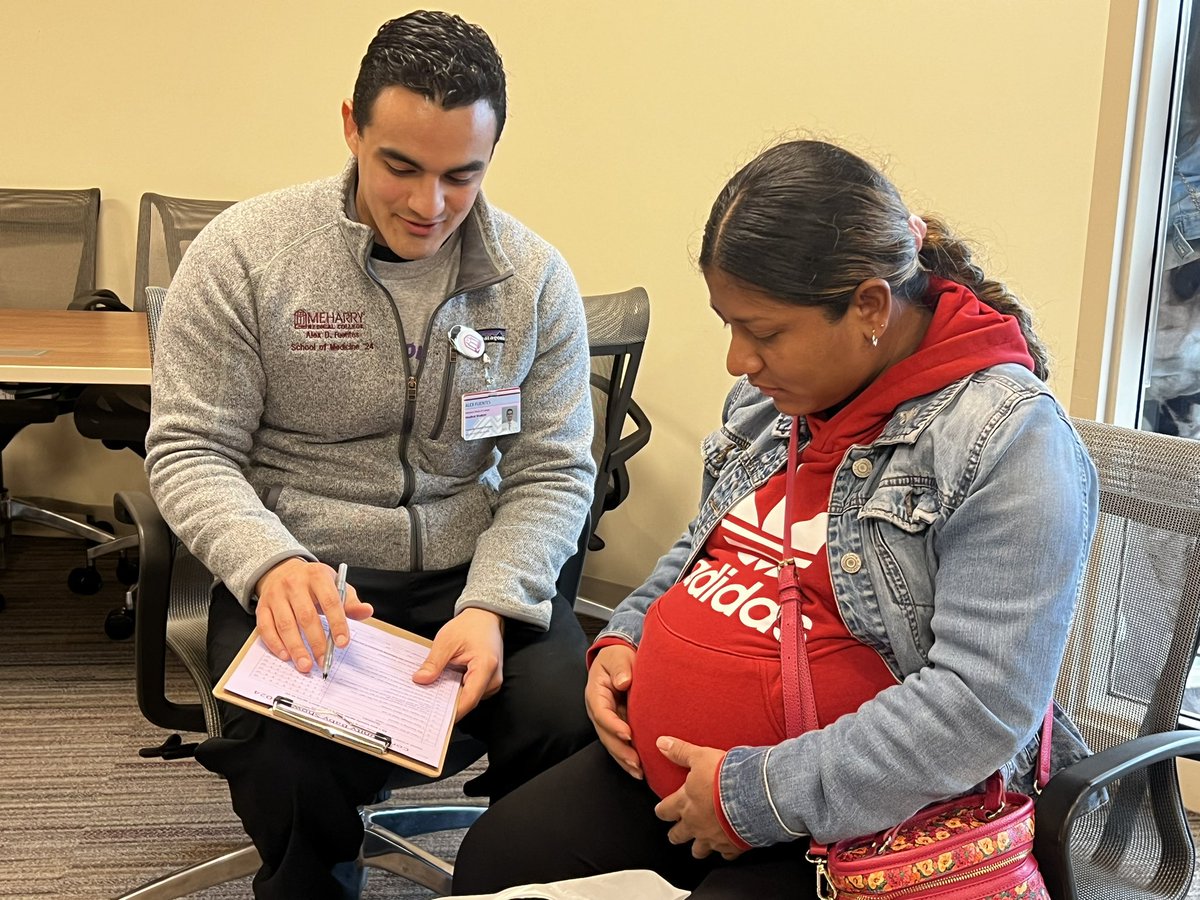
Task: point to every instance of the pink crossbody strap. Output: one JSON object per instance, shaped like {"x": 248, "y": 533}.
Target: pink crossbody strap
{"x": 799, "y": 702}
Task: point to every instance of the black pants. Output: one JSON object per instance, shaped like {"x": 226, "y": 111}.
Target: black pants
{"x": 297, "y": 794}
{"x": 586, "y": 817}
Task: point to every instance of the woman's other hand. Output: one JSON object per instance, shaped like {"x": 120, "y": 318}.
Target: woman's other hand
{"x": 609, "y": 679}
{"x": 692, "y": 807}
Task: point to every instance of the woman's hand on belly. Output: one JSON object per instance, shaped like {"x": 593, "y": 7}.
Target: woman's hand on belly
{"x": 609, "y": 679}
{"x": 692, "y": 808}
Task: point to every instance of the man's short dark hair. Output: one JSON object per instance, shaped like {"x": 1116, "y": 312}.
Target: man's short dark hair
{"x": 438, "y": 55}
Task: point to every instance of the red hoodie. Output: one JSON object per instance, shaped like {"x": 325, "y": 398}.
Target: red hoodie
{"x": 707, "y": 668}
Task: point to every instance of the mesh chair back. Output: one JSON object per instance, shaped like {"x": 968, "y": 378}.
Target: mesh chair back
{"x": 166, "y": 227}
{"x": 1128, "y": 656}
{"x": 187, "y": 627}
{"x": 169, "y": 571}
{"x": 155, "y": 298}
{"x": 617, "y": 326}
{"x": 47, "y": 246}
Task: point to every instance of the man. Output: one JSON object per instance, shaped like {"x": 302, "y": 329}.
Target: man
{"x": 323, "y": 353}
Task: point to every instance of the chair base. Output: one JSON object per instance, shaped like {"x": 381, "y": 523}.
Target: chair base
{"x": 112, "y": 545}
{"x": 385, "y": 846}
{"x": 13, "y": 509}
{"x": 228, "y": 867}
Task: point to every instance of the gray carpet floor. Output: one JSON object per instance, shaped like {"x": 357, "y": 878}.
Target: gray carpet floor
{"x": 81, "y": 814}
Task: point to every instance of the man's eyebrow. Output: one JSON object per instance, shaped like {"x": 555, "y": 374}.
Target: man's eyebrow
{"x": 397, "y": 156}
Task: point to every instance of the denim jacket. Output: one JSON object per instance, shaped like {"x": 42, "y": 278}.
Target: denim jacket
{"x": 956, "y": 543}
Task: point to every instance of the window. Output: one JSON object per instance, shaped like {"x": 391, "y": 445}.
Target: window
{"x": 1170, "y": 400}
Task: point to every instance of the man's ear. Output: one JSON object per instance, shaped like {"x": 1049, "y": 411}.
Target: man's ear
{"x": 872, "y": 303}
{"x": 350, "y": 127}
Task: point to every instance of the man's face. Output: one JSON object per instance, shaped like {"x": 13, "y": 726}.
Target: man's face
{"x": 420, "y": 167}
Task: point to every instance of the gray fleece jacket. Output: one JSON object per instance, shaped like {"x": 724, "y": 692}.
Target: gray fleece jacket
{"x": 288, "y": 420}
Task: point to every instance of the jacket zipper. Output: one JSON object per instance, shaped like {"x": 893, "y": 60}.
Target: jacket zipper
{"x": 452, "y": 358}
{"x": 410, "y": 405}
{"x": 410, "y": 401}
{"x": 447, "y": 381}
{"x": 418, "y": 540}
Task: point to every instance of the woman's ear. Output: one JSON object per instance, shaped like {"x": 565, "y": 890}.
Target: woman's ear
{"x": 872, "y": 303}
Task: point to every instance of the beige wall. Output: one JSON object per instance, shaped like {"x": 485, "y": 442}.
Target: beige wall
{"x": 625, "y": 118}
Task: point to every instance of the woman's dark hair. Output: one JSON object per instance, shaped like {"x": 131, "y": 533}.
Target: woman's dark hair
{"x": 806, "y": 222}
{"x": 438, "y": 55}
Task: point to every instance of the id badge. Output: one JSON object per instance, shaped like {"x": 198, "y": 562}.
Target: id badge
{"x": 487, "y": 414}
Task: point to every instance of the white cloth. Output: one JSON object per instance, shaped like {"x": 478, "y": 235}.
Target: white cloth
{"x": 640, "y": 883}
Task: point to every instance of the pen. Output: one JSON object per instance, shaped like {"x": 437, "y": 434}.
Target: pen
{"x": 341, "y": 589}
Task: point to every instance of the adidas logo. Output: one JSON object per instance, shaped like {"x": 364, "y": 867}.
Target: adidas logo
{"x": 759, "y": 547}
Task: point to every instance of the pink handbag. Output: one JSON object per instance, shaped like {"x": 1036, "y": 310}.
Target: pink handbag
{"x": 974, "y": 847}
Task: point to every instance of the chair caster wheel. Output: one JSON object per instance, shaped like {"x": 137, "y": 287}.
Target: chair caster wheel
{"x": 103, "y": 526}
{"x": 84, "y": 580}
{"x": 118, "y": 624}
{"x": 127, "y": 571}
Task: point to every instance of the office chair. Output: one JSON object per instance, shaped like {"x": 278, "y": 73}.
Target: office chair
{"x": 617, "y": 326}
{"x": 47, "y": 260}
{"x": 1131, "y": 645}
{"x": 118, "y": 415}
{"x": 171, "y": 599}
{"x": 166, "y": 228}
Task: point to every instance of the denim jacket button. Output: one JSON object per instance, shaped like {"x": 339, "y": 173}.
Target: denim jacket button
{"x": 862, "y": 467}
{"x": 851, "y": 563}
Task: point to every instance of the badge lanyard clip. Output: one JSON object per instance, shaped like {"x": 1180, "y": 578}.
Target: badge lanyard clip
{"x": 469, "y": 342}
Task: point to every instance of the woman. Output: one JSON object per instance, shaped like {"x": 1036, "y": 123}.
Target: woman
{"x": 943, "y": 511}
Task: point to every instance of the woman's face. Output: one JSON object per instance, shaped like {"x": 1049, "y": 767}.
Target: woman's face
{"x": 793, "y": 354}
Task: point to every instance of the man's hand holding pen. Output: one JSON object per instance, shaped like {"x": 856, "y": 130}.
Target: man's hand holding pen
{"x": 291, "y": 598}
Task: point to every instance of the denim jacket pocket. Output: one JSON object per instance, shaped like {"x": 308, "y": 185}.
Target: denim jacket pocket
{"x": 911, "y": 507}
{"x": 895, "y": 522}
{"x": 718, "y": 449}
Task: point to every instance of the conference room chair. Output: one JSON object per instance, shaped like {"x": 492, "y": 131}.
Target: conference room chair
{"x": 171, "y": 599}
{"x": 617, "y": 326}
{"x": 166, "y": 228}
{"x": 119, "y": 415}
{"x": 47, "y": 261}
{"x": 1131, "y": 645}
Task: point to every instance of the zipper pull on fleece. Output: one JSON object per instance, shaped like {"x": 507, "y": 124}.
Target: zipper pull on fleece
{"x": 412, "y": 389}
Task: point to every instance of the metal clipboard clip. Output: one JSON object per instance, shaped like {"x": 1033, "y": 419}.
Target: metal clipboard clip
{"x": 284, "y": 708}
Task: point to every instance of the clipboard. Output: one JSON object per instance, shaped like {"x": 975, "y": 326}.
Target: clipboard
{"x": 382, "y": 648}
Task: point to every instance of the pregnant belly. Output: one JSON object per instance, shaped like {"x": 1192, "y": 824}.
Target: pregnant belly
{"x": 700, "y": 694}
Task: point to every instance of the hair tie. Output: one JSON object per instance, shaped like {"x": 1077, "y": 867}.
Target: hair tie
{"x": 919, "y": 229}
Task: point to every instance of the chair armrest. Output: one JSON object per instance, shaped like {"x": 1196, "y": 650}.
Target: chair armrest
{"x": 631, "y": 443}
{"x": 1064, "y": 798}
{"x": 156, "y": 550}
{"x": 617, "y": 485}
